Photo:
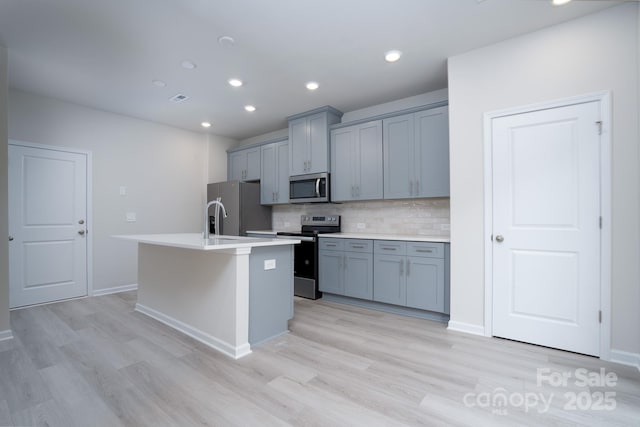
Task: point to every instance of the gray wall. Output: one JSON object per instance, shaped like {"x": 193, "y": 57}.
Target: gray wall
{"x": 594, "y": 53}
{"x": 165, "y": 170}
{"x": 4, "y": 211}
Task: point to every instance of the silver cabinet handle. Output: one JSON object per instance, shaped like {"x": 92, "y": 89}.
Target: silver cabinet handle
{"x": 499, "y": 238}
{"x": 344, "y": 262}
{"x": 11, "y": 238}
{"x": 388, "y": 249}
{"x": 401, "y": 267}
{"x": 428, "y": 251}
{"x": 411, "y": 188}
{"x": 358, "y": 246}
{"x": 81, "y": 232}
{"x": 331, "y": 245}
{"x": 408, "y": 267}
{"x": 417, "y": 188}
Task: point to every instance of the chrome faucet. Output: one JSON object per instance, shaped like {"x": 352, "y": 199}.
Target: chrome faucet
{"x": 206, "y": 217}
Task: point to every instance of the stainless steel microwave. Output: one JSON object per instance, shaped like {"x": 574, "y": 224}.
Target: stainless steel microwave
{"x": 311, "y": 188}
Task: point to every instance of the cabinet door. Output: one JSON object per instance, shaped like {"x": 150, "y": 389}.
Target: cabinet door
{"x": 237, "y": 164}
{"x": 282, "y": 173}
{"x": 367, "y": 164}
{"x": 268, "y": 174}
{"x": 398, "y": 143}
{"x": 389, "y": 284}
{"x": 358, "y": 275}
{"x": 330, "y": 272}
{"x": 342, "y": 187}
{"x": 253, "y": 164}
{"x": 298, "y": 146}
{"x": 432, "y": 153}
{"x": 425, "y": 283}
{"x": 318, "y": 143}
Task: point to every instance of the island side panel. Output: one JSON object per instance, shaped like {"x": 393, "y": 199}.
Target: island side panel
{"x": 201, "y": 293}
{"x": 270, "y": 292}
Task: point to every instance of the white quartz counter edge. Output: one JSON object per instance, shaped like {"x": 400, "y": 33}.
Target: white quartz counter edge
{"x": 196, "y": 241}
{"x": 402, "y": 237}
{"x": 262, "y": 232}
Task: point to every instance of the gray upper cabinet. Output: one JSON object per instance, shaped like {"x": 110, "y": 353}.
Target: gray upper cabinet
{"x": 309, "y": 140}
{"x": 274, "y": 173}
{"x": 416, "y": 154}
{"x": 244, "y": 165}
{"x": 356, "y": 162}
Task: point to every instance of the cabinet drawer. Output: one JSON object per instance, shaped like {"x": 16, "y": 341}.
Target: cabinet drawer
{"x": 329, "y": 244}
{"x": 425, "y": 249}
{"x": 390, "y": 247}
{"x": 358, "y": 245}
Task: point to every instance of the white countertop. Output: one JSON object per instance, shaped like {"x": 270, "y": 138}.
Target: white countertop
{"x": 196, "y": 241}
{"x": 263, "y": 232}
{"x": 405, "y": 237}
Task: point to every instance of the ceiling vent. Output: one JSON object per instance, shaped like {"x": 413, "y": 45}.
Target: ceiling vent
{"x": 178, "y": 98}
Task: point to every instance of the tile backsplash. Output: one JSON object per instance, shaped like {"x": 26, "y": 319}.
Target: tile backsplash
{"x": 411, "y": 216}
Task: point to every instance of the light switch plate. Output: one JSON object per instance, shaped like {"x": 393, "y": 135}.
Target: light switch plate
{"x": 269, "y": 264}
{"x": 361, "y": 225}
{"x": 131, "y": 217}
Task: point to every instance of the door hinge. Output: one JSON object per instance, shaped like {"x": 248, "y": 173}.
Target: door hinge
{"x": 600, "y": 222}
{"x": 600, "y": 316}
{"x": 599, "y": 123}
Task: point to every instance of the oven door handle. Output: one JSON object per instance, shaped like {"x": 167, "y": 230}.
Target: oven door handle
{"x": 318, "y": 187}
{"x": 301, "y": 238}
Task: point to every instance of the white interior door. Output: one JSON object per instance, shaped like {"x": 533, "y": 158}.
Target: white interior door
{"x": 546, "y": 232}
{"x": 47, "y": 225}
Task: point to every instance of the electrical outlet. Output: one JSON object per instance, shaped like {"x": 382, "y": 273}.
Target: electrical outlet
{"x": 361, "y": 225}
{"x": 269, "y": 264}
{"x": 131, "y": 217}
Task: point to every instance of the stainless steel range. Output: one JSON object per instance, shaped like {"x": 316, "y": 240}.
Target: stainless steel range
{"x": 306, "y": 253}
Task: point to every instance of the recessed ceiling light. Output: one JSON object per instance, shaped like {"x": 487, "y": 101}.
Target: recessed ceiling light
{"x": 206, "y": 124}
{"x": 158, "y": 83}
{"x": 235, "y": 82}
{"x": 312, "y": 85}
{"x": 178, "y": 98}
{"x": 250, "y": 108}
{"x": 188, "y": 65}
{"x": 392, "y": 55}
{"x": 559, "y": 2}
{"x": 226, "y": 40}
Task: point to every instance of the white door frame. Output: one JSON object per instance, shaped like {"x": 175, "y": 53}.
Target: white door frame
{"x": 90, "y": 228}
{"x": 604, "y": 98}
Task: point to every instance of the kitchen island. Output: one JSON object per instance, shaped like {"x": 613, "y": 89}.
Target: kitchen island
{"x": 228, "y": 292}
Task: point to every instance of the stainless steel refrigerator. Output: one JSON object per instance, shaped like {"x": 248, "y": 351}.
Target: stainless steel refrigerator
{"x": 242, "y": 203}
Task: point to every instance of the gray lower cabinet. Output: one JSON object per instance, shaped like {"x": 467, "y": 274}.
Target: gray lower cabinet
{"x": 346, "y": 267}
{"x": 274, "y": 173}
{"x": 356, "y": 162}
{"x": 410, "y": 274}
{"x": 244, "y": 165}
{"x": 416, "y": 154}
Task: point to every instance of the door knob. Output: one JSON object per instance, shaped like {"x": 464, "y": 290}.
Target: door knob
{"x": 11, "y": 238}
{"x": 81, "y": 222}
{"x": 499, "y": 238}
{"x": 81, "y": 232}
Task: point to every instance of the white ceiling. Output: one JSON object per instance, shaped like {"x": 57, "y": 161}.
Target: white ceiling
{"x": 105, "y": 53}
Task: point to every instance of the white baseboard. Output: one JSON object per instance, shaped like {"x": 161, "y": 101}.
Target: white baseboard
{"x": 6, "y": 335}
{"x": 467, "y": 328}
{"x": 209, "y": 340}
{"x": 625, "y": 358}
{"x": 115, "y": 290}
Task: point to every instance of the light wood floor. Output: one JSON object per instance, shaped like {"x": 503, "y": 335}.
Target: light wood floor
{"x": 96, "y": 362}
